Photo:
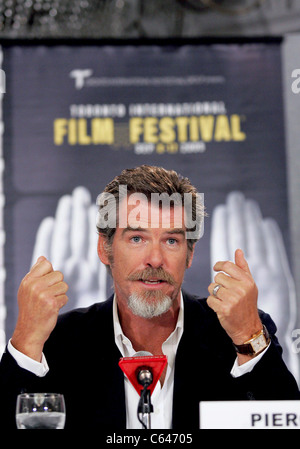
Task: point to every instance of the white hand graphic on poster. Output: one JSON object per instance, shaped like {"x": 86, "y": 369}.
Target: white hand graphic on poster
{"x": 69, "y": 241}
{"x": 239, "y": 224}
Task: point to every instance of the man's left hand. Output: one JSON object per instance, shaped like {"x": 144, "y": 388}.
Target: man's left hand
{"x": 236, "y": 300}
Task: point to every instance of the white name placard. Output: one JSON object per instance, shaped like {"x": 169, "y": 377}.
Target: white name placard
{"x": 250, "y": 415}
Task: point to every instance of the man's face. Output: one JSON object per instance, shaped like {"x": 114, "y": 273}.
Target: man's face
{"x": 148, "y": 257}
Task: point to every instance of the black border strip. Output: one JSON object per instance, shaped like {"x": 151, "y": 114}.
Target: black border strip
{"x": 178, "y": 41}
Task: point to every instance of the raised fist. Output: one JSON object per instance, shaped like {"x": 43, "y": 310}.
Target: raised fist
{"x": 239, "y": 224}
{"x": 41, "y": 295}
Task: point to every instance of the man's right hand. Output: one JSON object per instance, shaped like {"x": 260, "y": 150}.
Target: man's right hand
{"x": 42, "y": 293}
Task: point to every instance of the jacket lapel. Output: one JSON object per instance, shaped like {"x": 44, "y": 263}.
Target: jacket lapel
{"x": 113, "y": 378}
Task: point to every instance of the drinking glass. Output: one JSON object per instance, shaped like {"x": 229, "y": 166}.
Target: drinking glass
{"x": 40, "y": 411}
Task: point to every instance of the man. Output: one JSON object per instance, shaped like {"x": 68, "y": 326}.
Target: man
{"x": 147, "y": 245}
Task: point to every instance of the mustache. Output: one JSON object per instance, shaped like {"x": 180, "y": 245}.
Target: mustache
{"x": 152, "y": 273}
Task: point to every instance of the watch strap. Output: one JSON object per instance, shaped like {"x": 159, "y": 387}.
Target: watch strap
{"x": 247, "y": 347}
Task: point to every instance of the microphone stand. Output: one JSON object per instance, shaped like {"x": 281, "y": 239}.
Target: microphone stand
{"x": 145, "y": 408}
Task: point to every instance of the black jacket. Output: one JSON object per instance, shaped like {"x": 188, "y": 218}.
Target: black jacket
{"x": 83, "y": 360}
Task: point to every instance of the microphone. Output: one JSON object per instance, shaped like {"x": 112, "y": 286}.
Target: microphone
{"x": 143, "y": 369}
{"x": 144, "y": 373}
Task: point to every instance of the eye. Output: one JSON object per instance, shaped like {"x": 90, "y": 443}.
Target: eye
{"x": 136, "y": 239}
{"x": 172, "y": 241}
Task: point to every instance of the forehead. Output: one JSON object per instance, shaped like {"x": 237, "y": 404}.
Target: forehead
{"x": 138, "y": 211}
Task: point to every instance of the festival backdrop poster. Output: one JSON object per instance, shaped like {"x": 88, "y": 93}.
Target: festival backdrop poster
{"x": 75, "y": 116}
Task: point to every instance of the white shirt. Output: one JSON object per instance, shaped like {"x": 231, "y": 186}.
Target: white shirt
{"x": 162, "y": 397}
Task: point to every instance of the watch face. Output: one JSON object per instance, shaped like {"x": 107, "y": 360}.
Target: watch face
{"x": 259, "y": 343}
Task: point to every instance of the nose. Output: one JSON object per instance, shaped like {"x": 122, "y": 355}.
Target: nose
{"x": 154, "y": 256}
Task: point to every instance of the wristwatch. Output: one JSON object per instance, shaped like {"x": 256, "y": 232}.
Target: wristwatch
{"x": 256, "y": 344}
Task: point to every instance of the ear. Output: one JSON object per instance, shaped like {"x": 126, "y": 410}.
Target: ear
{"x": 102, "y": 253}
